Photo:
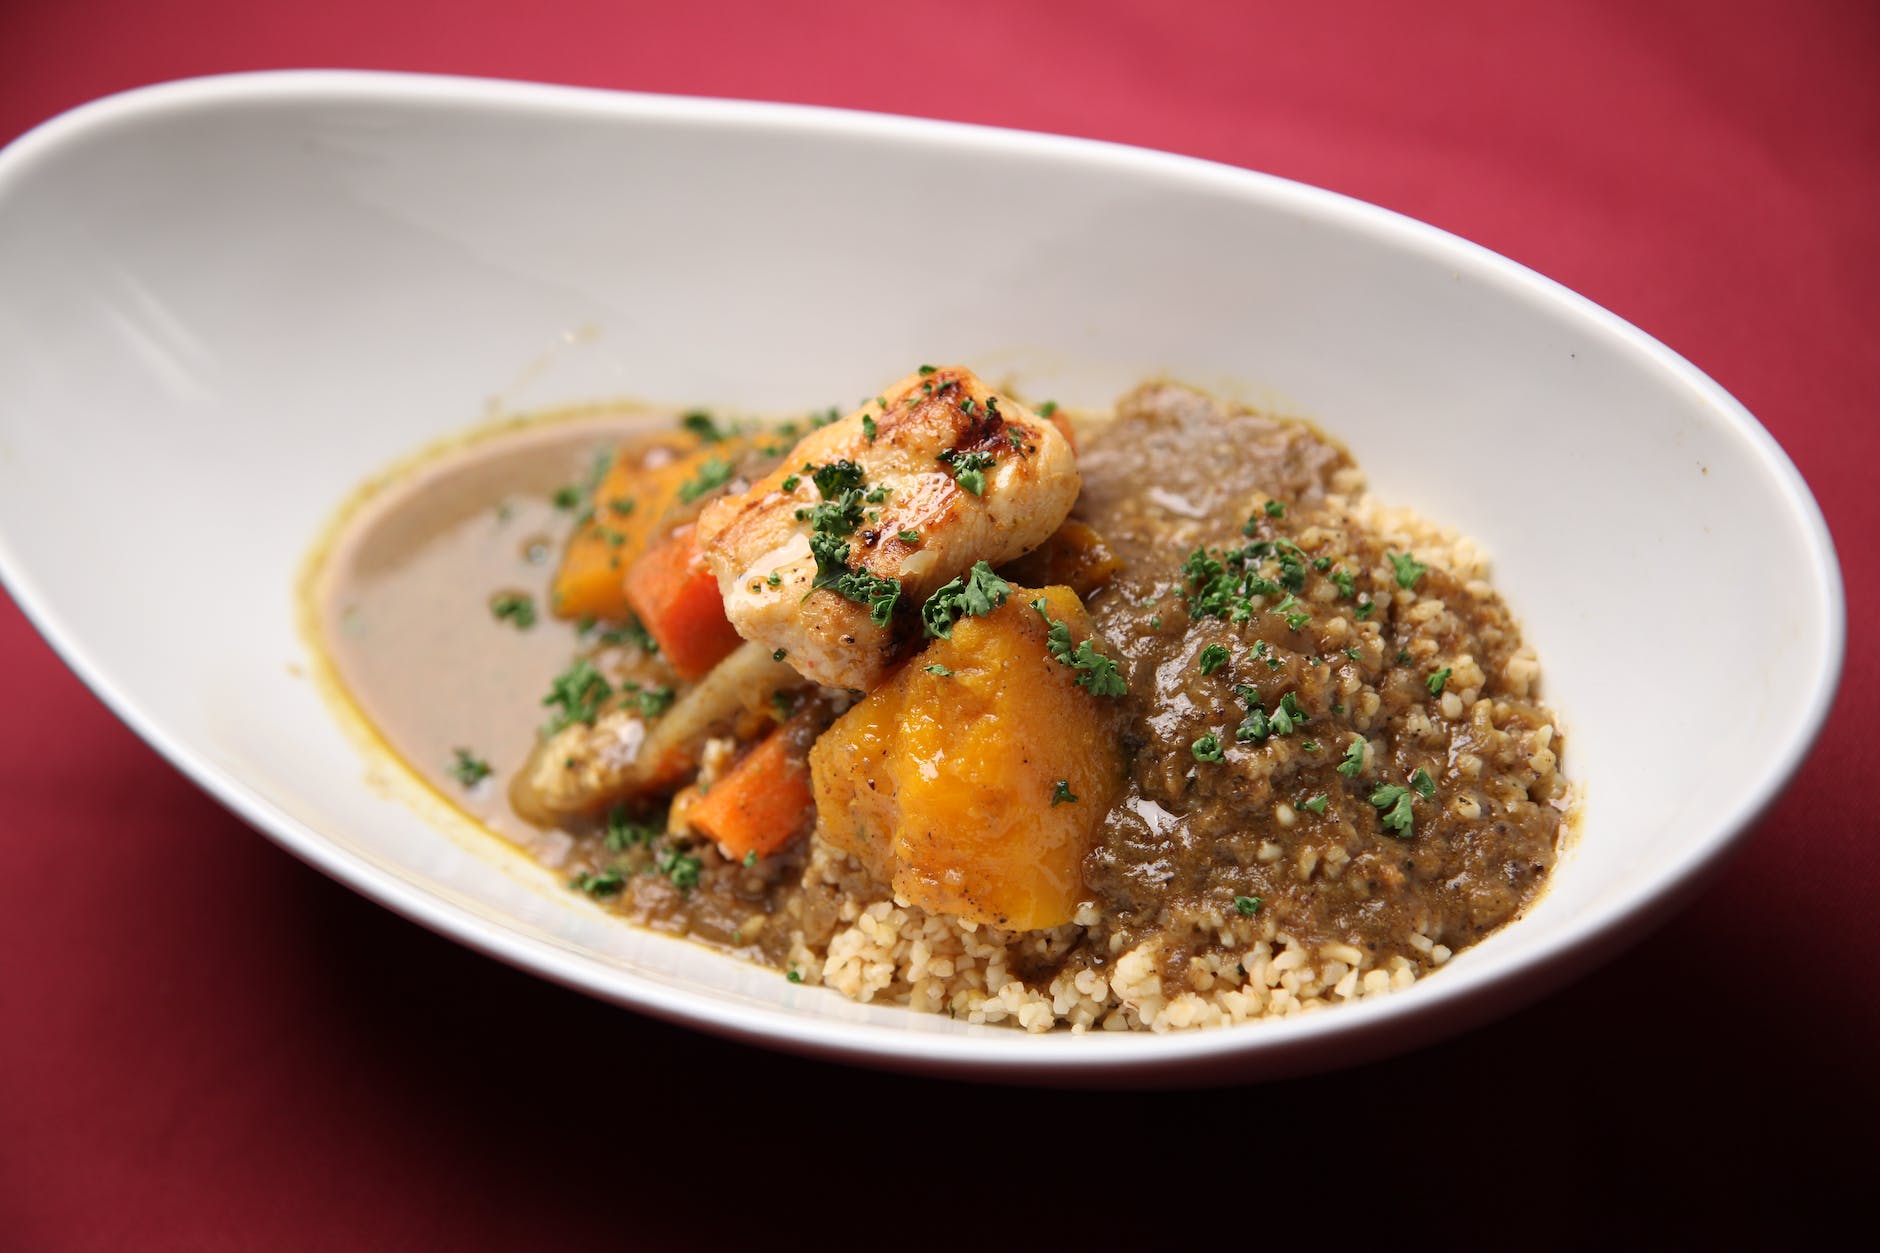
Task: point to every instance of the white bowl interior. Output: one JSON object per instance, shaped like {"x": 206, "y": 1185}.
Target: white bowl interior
{"x": 224, "y": 304}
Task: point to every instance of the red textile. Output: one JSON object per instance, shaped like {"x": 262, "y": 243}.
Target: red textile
{"x": 205, "y": 1044}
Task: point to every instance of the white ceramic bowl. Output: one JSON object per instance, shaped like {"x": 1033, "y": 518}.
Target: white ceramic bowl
{"x": 225, "y": 302}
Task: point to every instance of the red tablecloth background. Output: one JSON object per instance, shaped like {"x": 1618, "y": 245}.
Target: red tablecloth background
{"x": 205, "y": 1044}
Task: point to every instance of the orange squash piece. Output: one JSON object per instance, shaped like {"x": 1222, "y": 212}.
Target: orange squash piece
{"x": 945, "y": 783}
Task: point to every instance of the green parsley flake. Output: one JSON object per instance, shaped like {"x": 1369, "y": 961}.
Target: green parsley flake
{"x": 1354, "y": 758}
{"x": 791, "y": 482}
{"x": 1213, "y": 657}
{"x": 567, "y": 497}
{"x": 654, "y": 701}
{"x": 926, "y": 370}
{"x": 861, "y": 587}
{"x": 467, "y": 768}
{"x": 1393, "y": 804}
{"x": 975, "y": 595}
{"x": 1061, "y": 794}
{"x": 1423, "y": 785}
{"x": 607, "y": 883}
{"x": 968, "y": 469}
{"x": 1274, "y": 509}
{"x": 779, "y": 655}
{"x": 869, "y": 429}
{"x": 908, "y": 537}
{"x": 774, "y": 579}
{"x": 750, "y": 858}
{"x": 937, "y": 668}
{"x": 712, "y": 475}
{"x": 622, "y": 833}
{"x": 677, "y": 865}
{"x": 1342, "y": 580}
{"x": 577, "y": 693}
{"x": 1435, "y": 681}
{"x": 1097, "y": 674}
{"x": 513, "y": 607}
{"x": 621, "y": 506}
{"x": 836, "y": 477}
{"x": 1317, "y": 804}
{"x": 1408, "y": 568}
{"x": 1048, "y": 408}
{"x": 1247, "y": 906}
{"x": 793, "y": 975}
{"x": 1208, "y": 748}
{"x": 700, "y": 424}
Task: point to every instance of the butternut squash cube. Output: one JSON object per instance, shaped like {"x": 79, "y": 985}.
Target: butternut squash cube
{"x": 945, "y": 780}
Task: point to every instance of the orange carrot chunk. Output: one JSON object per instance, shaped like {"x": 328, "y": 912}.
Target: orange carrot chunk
{"x": 677, "y": 600}
{"x": 761, "y": 804}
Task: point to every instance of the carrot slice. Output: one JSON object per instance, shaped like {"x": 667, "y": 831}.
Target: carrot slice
{"x": 761, "y": 804}
{"x": 628, "y": 510}
{"x": 677, "y": 599}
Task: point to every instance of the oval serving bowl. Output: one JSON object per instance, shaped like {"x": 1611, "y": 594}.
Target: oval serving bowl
{"x": 234, "y": 299}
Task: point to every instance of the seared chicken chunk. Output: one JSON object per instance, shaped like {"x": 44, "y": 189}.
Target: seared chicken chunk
{"x": 874, "y": 512}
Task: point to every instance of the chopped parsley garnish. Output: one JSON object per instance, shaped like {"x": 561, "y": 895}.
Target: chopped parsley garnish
{"x": 1208, "y": 748}
{"x": 513, "y": 607}
{"x": 577, "y": 693}
{"x": 774, "y": 579}
{"x": 567, "y": 497}
{"x": 712, "y": 475}
{"x": 1354, "y": 654}
{"x": 1408, "y": 568}
{"x": 1342, "y": 580}
{"x": 1297, "y": 620}
{"x": 1423, "y": 784}
{"x": 1048, "y": 408}
{"x": 976, "y": 594}
{"x": 791, "y": 482}
{"x": 1061, "y": 794}
{"x": 869, "y": 429}
{"x": 968, "y": 469}
{"x": 793, "y": 975}
{"x": 1274, "y": 509}
{"x": 1403, "y": 656}
{"x": 750, "y": 858}
{"x": 779, "y": 655}
{"x": 677, "y": 865}
{"x": 908, "y": 537}
{"x": 700, "y": 424}
{"x": 839, "y": 516}
{"x": 654, "y": 701}
{"x": 784, "y": 703}
{"x": 1317, "y": 804}
{"x": 937, "y": 668}
{"x": 607, "y": 883}
{"x": 467, "y": 768}
{"x": 836, "y": 477}
{"x": 1096, "y": 673}
{"x": 1435, "y": 681}
{"x": 623, "y": 833}
{"x": 926, "y": 370}
{"x": 1393, "y": 806}
{"x": 1258, "y": 726}
{"x": 1364, "y": 610}
{"x": 632, "y": 631}
{"x": 1213, "y": 657}
{"x": 1311, "y": 746}
{"x": 1354, "y": 758}
{"x": 1247, "y": 906}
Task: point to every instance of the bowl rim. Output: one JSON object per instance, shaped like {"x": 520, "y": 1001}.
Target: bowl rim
{"x": 1428, "y": 1011}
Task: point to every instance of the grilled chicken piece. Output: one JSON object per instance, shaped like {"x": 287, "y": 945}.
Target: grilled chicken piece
{"x": 936, "y": 473}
